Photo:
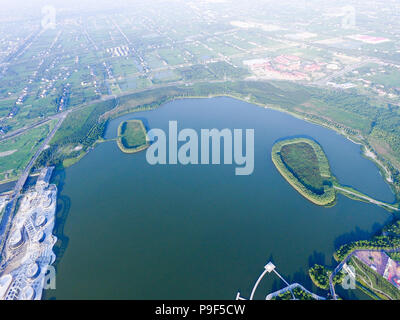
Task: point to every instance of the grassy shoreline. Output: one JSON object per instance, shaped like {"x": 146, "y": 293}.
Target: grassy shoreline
{"x": 140, "y": 144}
{"x": 150, "y": 100}
{"x": 360, "y": 140}
{"x": 329, "y": 195}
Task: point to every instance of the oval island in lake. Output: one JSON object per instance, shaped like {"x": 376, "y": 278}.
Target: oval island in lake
{"x": 132, "y": 136}
{"x": 303, "y": 163}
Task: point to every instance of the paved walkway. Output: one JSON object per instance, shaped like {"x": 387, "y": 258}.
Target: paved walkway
{"x": 291, "y": 287}
{"x": 379, "y": 203}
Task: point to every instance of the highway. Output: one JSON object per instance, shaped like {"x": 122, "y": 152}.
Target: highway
{"x": 6, "y": 220}
{"x": 20, "y": 131}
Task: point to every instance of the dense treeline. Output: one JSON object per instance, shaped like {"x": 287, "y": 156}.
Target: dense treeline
{"x": 376, "y": 243}
{"x": 354, "y": 103}
{"x": 82, "y": 127}
{"x": 132, "y": 136}
{"x": 82, "y": 124}
{"x": 320, "y": 276}
{"x": 393, "y": 229}
{"x": 329, "y": 194}
{"x": 384, "y": 119}
{"x": 47, "y": 157}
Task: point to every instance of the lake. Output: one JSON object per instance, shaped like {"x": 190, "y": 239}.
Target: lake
{"x": 130, "y": 230}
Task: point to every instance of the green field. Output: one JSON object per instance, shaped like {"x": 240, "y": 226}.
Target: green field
{"x": 132, "y": 136}
{"x": 15, "y": 153}
{"x": 304, "y": 165}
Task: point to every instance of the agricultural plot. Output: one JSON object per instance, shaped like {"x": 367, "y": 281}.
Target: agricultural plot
{"x": 166, "y": 76}
{"x": 15, "y": 153}
{"x": 138, "y": 83}
{"x": 154, "y": 61}
{"x": 223, "y": 69}
{"x": 123, "y": 67}
{"x": 220, "y": 47}
{"x": 5, "y": 106}
{"x": 257, "y": 38}
{"x": 199, "y": 52}
{"x": 196, "y": 72}
{"x": 238, "y": 41}
{"x": 389, "y": 78}
{"x": 172, "y": 56}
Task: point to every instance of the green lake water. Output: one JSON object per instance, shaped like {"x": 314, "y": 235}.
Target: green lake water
{"x": 129, "y": 230}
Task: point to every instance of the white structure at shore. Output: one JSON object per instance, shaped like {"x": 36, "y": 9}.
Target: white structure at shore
{"x": 28, "y": 251}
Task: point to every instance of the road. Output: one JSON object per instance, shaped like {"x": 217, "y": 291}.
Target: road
{"x": 379, "y": 203}
{"x": 105, "y": 98}
{"x": 20, "y": 131}
{"x": 6, "y": 220}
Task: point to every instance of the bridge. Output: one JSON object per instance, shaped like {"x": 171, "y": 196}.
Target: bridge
{"x": 268, "y": 268}
{"x": 291, "y": 287}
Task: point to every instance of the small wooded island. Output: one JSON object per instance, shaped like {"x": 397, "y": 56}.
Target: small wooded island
{"x": 132, "y": 136}
{"x": 303, "y": 163}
